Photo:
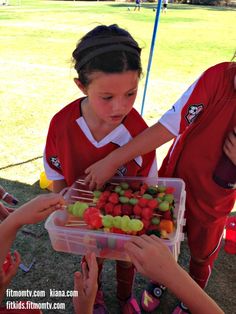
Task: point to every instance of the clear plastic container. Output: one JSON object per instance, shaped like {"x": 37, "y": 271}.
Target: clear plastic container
{"x": 111, "y": 245}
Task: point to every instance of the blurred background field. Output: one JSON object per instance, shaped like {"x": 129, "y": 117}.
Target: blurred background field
{"x": 37, "y": 38}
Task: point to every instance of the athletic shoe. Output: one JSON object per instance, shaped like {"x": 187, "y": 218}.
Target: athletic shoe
{"x": 99, "y": 304}
{"x": 130, "y": 306}
{"x": 150, "y": 299}
{"x": 181, "y": 309}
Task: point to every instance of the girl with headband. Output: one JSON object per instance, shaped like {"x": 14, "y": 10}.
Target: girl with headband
{"x": 108, "y": 63}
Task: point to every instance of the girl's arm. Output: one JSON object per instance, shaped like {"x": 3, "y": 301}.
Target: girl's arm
{"x": 32, "y": 212}
{"x": 58, "y": 185}
{"x": 163, "y": 268}
{"x": 148, "y": 140}
{"x": 85, "y": 283}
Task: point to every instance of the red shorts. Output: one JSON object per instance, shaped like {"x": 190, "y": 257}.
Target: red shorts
{"x": 204, "y": 241}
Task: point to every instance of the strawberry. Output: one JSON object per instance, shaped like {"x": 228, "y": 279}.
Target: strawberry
{"x": 137, "y": 210}
{"x": 117, "y": 210}
{"x": 135, "y": 185}
{"x": 152, "y": 203}
{"x": 167, "y": 215}
{"x": 127, "y": 209}
{"x": 143, "y": 202}
{"x": 108, "y": 208}
{"x": 147, "y": 213}
{"x": 170, "y": 190}
{"x": 117, "y": 230}
{"x": 146, "y": 223}
{"x": 100, "y": 204}
{"x": 143, "y": 188}
{"x": 90, "y": 211}
{"x": 95, "y": 221}
{"x": 113, "y": 198}
{"x": 128, "y": 193}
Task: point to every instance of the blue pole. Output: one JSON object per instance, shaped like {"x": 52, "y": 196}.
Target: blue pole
{"x": 158, "y": 10}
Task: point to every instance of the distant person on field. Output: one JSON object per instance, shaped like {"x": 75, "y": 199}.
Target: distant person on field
{"x": 137, "y": 5}
{"x": 164, "y": 6}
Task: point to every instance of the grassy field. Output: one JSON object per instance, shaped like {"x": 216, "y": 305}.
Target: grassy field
{"x": 37, "y": 39}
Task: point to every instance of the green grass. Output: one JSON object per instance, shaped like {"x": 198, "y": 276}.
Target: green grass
{"x": 37, "y": 39}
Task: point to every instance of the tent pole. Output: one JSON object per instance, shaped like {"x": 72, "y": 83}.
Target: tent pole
{"x": 158, "y": 10}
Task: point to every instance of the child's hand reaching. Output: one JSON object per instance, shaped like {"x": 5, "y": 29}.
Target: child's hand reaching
{"x": 85, "y": 283}
{"x": 230, "y": 146}
{"x": 161, "y": 267}
{"x": 99, "y": 172}
{"x": 38, "y": 209}
{"x": 6, "y": 277}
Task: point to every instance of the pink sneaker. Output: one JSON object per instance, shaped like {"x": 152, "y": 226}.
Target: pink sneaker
{"x": 150, "y": 299}
{"x": 99, "y": 304}
{"x": 130, "y": 306}
{"x": 181, "y": 309}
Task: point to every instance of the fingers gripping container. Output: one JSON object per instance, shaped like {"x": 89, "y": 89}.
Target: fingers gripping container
{"x": 109, "y": 245}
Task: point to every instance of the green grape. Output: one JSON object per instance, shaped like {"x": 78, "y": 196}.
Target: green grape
{"x": 164, "y": 206}
{"x": 155, "y": 221}
{"x": 169, "y": 198}
{"x": 135, "y": 225}
{"x": 125, "y": 220}
{"x": 70, "y": 208}
{"x": 147, "y": 196}
{"x": 107, "y": 221}
{"x": 124, "y": 185}
{"x": 161, "y": 188}
{"x": 117, "y": 221}
{"x": 79, "y": 208}
{"x": 133, "y": 201}
{"x": 118, "y": 188}
{"x": 97, "y": 193}
{"x": 124, "y": 199}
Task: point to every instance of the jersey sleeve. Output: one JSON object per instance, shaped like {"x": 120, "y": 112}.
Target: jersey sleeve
{"x": 172, "y": 118}
{"x": 52, "y": 164}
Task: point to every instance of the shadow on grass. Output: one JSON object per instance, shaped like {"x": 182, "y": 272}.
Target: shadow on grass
{"x": 22, "y": 191}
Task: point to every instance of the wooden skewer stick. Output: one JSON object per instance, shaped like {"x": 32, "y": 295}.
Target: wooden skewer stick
{"x": 82, "y": 198}
{"x": 80, "y": 181}
{"x": 83, "y": 191}
{"x": 74, "y": 225}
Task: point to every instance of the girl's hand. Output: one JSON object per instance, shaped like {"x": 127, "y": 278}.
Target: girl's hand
{"x": 6, "y": 277}
{"x": 230, "y": 146}
{"x": 152, "y": 258}
{"x": 85, "y": 283}
{"x": 38, "y": 209}
{"x": 99, "y": 172}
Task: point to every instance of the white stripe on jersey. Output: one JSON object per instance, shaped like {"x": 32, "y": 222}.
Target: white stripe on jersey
{"x": 119, "y": 136}
{"x": 171, "y": 119}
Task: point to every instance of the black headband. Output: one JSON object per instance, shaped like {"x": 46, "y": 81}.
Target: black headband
{"x": 116, "y": 43}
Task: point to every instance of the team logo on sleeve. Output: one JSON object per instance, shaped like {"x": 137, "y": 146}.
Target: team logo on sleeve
{"x": 121, "y": 171}
{"x": 193, "y": 112}
{"x": 55, "y": 162}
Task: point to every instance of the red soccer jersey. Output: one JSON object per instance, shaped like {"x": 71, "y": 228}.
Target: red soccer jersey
{"x": 71, "y": 148}
{"x": 201, "y": 120}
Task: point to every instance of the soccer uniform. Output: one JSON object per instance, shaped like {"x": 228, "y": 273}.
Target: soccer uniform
{"x": 71, "y": 148}
{"x": 201, "y": 120}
